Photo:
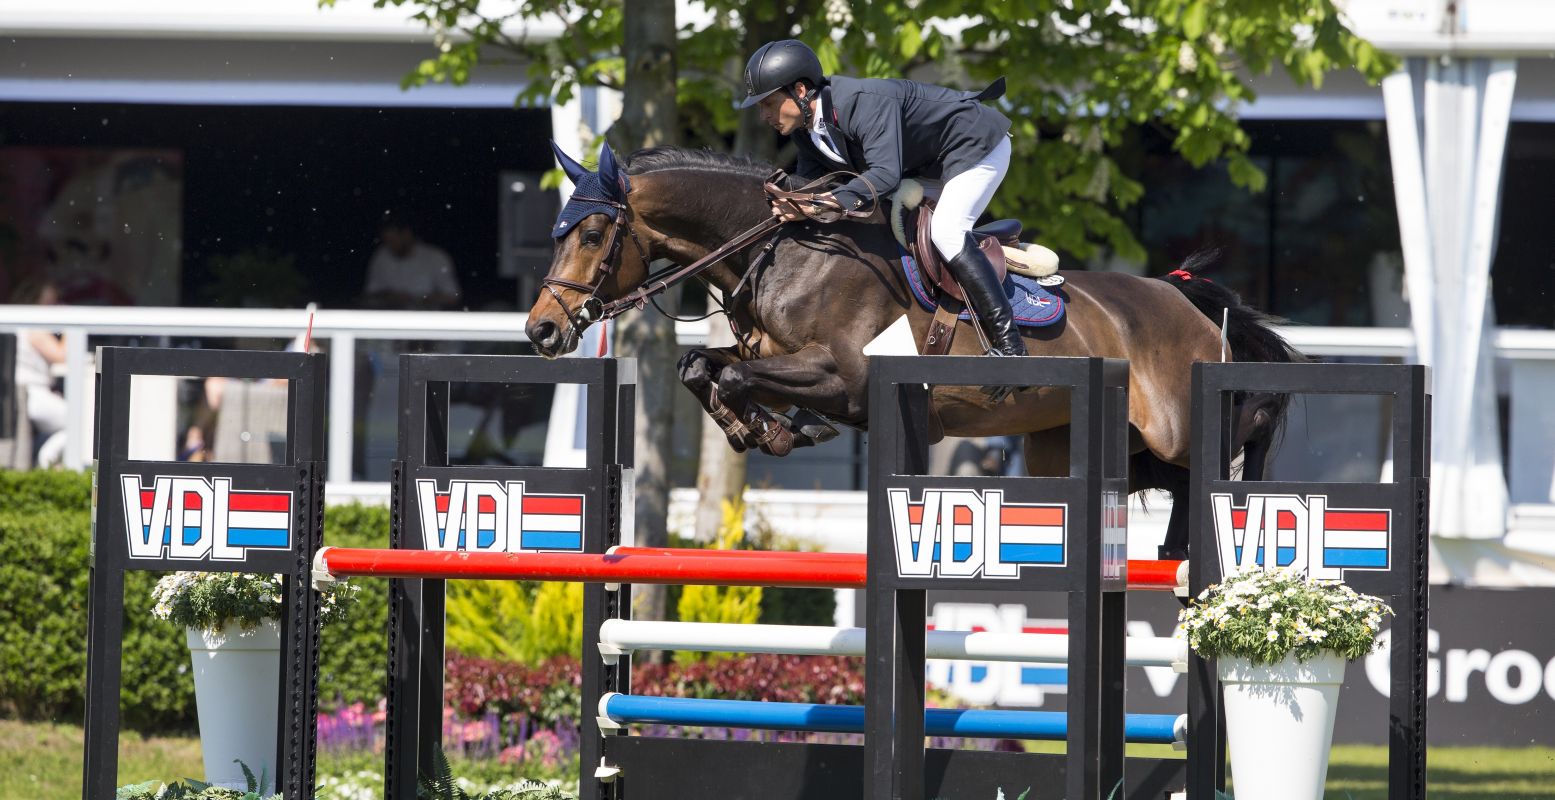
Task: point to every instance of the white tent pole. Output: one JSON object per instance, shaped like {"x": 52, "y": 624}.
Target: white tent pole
{"x": 1398, "y": 95}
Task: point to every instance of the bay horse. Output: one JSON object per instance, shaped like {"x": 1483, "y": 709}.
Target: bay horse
{"x": 806, "y": 303}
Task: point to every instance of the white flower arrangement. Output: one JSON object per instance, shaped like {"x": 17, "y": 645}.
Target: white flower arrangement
{"x": 212, "y": 600}
{"x": 1265, "y": 615}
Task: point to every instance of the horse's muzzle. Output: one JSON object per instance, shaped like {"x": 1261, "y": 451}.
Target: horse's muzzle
{"x": 547, "y": 337}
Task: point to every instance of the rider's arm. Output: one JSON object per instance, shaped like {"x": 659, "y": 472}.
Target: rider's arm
{"x": 878, "y": 128}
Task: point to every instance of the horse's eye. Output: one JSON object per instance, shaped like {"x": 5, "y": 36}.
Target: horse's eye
{"x": 592, "y": 238}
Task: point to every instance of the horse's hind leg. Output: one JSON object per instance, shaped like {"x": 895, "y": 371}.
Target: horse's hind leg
{"x": 1147, "y": 471}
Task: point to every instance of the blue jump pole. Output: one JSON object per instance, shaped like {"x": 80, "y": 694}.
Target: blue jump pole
{"x": 970, "y": 723}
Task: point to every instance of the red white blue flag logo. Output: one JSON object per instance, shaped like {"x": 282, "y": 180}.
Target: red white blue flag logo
{"x": 1300, "y": 533}
{"x": 492, "y": 516}
{"x": 191, "y": 518}
{"x": 985, "y": 535}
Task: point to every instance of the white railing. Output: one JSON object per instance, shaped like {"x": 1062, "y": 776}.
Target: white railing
{"x": 344, "y": 329}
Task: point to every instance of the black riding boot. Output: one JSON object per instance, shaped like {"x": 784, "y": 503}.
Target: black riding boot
{"x": 983, "y": 292}
{"x": 989, "y": 304}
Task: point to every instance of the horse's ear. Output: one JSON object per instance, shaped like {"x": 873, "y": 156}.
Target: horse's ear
{"x": 573, "y": 169}
{"x": 611, "y": 175}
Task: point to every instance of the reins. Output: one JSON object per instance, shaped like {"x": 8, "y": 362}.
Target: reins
{"x": 592, "y": 309}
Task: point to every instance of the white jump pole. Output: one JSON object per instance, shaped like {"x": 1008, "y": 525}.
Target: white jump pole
{"x": 617, "y": 636}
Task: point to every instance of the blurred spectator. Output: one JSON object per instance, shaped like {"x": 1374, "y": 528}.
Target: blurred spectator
{"x": 198, "y": 444}
{"x": 36, "y": 352}
{"x": 407, "y": 273}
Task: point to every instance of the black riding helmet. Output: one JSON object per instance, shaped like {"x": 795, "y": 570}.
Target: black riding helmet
{"x": 780, "y": 65}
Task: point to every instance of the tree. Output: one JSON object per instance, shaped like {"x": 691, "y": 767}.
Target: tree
{"x": 1083, "y": 75}
{"x": 649, "y": 118}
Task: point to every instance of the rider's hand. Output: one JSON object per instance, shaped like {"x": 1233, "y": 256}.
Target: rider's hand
{"x": 826, "y": 201}
{"x": 786, "y": 210}
{"x": 792, "y": 209}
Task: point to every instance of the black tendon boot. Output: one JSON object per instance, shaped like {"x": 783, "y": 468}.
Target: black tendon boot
{"x": 990, "y": 306}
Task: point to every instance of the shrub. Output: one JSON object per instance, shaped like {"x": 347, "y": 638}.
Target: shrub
{"x": 522, "y": 621}
{"x": 354, "y": 655}
{"x": 45, "y": 536}
{"x": 549, "y": 694}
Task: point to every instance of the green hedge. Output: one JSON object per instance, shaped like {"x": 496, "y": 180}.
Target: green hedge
{"x": 45, "y": 530}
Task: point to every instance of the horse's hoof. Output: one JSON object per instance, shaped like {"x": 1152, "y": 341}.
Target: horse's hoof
{"x": 813, "y": 428}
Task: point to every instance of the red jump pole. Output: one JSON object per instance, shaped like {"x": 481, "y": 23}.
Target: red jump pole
{"x": 1162, "y": 576}
{"x": 683, "y": 552}
{"x": 772, "y": 569}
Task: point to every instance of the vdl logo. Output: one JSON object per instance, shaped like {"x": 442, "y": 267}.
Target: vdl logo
{"x": 192, "y": 519}
{"x": 963, "y": 533}
{"x": 498, "y": 517}
{"x": 1285, "y": 530}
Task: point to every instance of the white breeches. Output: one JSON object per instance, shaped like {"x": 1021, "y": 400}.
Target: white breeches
{"x": 965, "y": 197}
{"x": 47, "y": 411}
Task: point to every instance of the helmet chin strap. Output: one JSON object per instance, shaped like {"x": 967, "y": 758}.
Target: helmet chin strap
{"x": 804, "y": 106}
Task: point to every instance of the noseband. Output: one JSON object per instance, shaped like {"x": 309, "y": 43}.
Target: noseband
{"x": 592, "y": 308}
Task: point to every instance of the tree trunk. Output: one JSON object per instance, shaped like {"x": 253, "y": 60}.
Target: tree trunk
{"x": 649, "y": 119}
{"x": 755, "y": 138}
{"x": 720, "y": 471}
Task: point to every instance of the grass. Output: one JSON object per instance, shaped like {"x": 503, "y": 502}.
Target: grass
{"x": 42, "y": 761}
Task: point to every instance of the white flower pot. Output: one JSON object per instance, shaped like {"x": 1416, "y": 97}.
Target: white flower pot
{"x": 1280, "y": 724}
{"x": 236, "y": 690}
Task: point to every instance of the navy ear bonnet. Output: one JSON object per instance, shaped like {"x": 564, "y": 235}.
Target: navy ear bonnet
{"x": 579, "y": 207}
{"x": 609, "y": 183}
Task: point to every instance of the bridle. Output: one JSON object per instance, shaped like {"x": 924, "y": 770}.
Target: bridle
{"x": 592, "y": 309}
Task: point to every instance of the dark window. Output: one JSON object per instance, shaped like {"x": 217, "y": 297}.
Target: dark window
{"x": 1524, "y": 266}
{"x": 1319, "y": 246}
{"x": 298, "y": 193}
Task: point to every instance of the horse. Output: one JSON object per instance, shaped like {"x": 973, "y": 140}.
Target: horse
{"x": 805, "y": 303}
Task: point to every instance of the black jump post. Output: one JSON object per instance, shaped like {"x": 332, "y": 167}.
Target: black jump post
{"x": 125, "y": 489}
{"x": 1397, "y": 573}
{"x": 1088, "y": 563}
{"x": 427, "y": 512}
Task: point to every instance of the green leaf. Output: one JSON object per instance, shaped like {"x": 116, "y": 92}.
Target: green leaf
{"x": 1194, "y": 19}
{"x": 910, "y": 40}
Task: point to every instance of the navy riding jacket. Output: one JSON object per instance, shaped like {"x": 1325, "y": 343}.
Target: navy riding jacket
{"x": 890, "y": 129}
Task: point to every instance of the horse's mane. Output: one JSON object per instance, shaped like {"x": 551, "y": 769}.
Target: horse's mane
{"x": 655, "y": 159}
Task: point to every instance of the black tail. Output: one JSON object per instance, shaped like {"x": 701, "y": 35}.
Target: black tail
{"x": 1251, "y": 336}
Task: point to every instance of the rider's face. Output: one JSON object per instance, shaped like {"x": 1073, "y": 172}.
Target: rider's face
{"x": 781, "y": 112}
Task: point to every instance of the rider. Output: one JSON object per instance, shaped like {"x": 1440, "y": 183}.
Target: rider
{"x": 887, "y": 130}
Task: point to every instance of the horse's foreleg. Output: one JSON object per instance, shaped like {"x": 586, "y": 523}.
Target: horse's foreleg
{"x": 699, "y": 371}
{"x": 808, "y": 378}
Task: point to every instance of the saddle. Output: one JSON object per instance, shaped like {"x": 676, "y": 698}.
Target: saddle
{"x": 999, "y": 241}
{"x": 991, "y": 239}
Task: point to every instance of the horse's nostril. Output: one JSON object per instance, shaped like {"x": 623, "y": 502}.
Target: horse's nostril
{"x": 543, "y": 334}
